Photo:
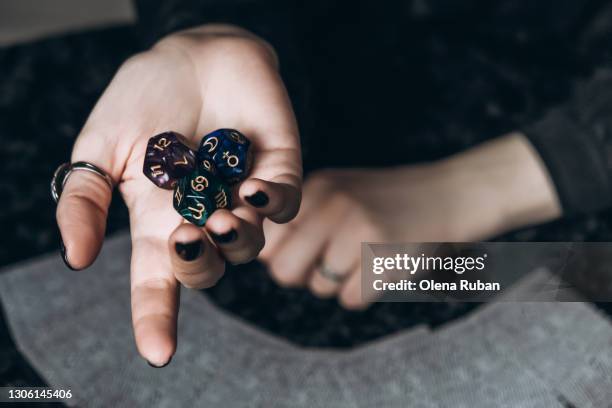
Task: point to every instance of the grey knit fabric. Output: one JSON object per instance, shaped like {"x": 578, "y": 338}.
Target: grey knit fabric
{"x": 75, "y": 329}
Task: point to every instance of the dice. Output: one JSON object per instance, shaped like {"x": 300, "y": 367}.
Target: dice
{"x": 229, "y": 150}
{"x": 200, "y": 193}
{"x": 168, "y": 159}
{"x": 199, "y": 179}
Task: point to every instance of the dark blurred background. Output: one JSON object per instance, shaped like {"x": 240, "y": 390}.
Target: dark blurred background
{"x": 373, "y": 84}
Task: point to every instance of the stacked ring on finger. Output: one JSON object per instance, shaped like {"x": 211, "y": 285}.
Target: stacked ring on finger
{"x": 201, "y": 180}
{"x": 64, "y": 170}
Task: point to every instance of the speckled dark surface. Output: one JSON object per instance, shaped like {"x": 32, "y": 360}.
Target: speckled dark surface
{"x": 442, "y": 76}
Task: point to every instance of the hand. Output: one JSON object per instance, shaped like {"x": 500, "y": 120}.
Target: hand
{"x": 192, "y": 82}
{"x": 483, "y": 192}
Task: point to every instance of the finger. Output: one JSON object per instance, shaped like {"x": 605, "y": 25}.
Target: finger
{"x": 303, "y": 249}
{"x": 339, "y": 259}
{"x": 353, "y": 296}
{"x": 238, "y": 234}
{"x": 263, "y": 113}
{"x": 106, "y": 141}
{"x": 155, "y": 294}
{"x": 350, "y": 295}
{"x": 275, "y": 185}
{"x": 195, "y": 260}
{"x": 326, "y": 280}
{"x": 278, "y": 201}
{"x": 274, "y": 235}
{"x": 83, "y": 205}
{"x": 315, "y": 191}
{"x": 81, "y": 217}
{"x": 155, "y": 291}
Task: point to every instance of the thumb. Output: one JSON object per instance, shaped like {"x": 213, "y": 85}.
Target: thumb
{"x": 82, "y": 207}
{"x": 81, "y": 217}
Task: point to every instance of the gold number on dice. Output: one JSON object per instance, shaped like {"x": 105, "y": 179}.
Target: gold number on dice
{"x": 197, "y": 212}
{"x": 221, "y": 199}
{"x": 178, "y": 195}
{"x": 211, "y": 143}
{"x": 199, "y": 183}
{"x": 162, "y": 143}
{"x": 232, "y": 160}
{"x": 237, "y": 137}
{"x": 156, "y": 170}
{"x": 182, "y": 162}
{"x": 207, "y": 165}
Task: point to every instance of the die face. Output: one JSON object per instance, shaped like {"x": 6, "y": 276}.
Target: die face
{"x": 195, "y": 208}
{"x": 199, "y": 194}
{"x": 229, "y": 150}
{"x": 154, "y": 169}
{"x": 167, "y": 159}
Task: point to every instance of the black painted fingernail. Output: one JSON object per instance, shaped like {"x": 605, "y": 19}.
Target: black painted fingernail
{"x": 224, "y": 238}
{"x": 63, "y": 252}
{"x": 189, "y": 251}
{"x": 259, "y": 199}
{"x": 161, "y": 366}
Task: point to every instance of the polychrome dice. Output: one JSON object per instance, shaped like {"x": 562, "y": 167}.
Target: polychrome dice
{"x": 167, "y": 159}
{"x": 201, "y": 193}
{"x": 229, "y": 151}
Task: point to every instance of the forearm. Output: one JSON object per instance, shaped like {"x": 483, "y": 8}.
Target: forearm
{"x": 506, "y": 181}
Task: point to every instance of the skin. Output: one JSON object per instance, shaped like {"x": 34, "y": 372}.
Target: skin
{"x": 490, "y": 189}
{"x": 192, "y": 82}
{"x": 220, "y": 76}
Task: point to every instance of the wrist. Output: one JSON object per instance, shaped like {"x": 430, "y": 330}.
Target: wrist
{"x": 506, "y": 182}
{"x": 205, "y": 41}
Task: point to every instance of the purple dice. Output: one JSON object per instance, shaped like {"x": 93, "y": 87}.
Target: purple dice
{"x": 168, "y": 159}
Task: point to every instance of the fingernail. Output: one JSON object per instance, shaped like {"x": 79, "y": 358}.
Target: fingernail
{"x": 63, "y": 252}
{"x": 189, "y": 251}
{"x": 259, "y": 199}
{"x": 161, "y": 366}
{"x": 224, "y": 238}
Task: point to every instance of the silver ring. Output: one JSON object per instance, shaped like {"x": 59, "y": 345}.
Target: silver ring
{"x": 64, "y": 170}
{"x": 330, "y": 274}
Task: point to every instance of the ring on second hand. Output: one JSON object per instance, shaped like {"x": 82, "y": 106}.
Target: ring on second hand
{"x": 331, "y": 275}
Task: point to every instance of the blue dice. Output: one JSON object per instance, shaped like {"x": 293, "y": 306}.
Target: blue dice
{"x": 229, "y": 150}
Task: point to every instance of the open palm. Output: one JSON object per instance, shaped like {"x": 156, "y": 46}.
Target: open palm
{"x": 193, "y": 82}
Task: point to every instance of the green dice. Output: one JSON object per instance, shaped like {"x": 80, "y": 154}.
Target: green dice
{"x": 200, "y": 193}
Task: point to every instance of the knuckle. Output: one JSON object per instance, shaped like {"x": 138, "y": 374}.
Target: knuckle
{"x": 319, "y": 290}
{"x": 242, "y": 46}
{"x": 351, "y": 300}
{"x": 240, "y": 259}
{"x": 200, "y": 281}
{"x": 342, "y": 200}
{"x": 246, "y": 254}
{"x": 137, "y": 61}
{"x": 320, "y": 179}
{"x": 372, "y": 232}
{"x": 351, "y": 304}
{"x": 225, "y": 46}
{"x": 156, "y": 284}
{"x": 287, "y": 280}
